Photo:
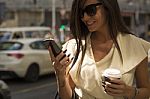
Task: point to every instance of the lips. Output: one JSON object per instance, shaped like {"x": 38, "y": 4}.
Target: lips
{"x": 90, "y": 24}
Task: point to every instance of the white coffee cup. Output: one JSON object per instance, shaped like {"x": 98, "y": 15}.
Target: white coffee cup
{"x": 111, "y": 73}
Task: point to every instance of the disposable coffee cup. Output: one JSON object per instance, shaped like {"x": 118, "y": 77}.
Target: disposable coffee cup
{"x": 111, "y": 73}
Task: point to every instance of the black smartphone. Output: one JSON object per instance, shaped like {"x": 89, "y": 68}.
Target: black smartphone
{"x": 55, "y": 48}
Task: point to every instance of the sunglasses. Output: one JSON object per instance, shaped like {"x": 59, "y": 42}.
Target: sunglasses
{"x": 90, "y": 10}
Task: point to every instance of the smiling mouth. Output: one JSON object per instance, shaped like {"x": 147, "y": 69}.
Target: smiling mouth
{"x": 90, "y": 22}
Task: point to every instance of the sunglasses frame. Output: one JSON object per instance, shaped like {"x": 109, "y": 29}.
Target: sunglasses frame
{"x": 90, "y": 10}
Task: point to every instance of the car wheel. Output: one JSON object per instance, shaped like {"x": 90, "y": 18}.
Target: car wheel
{"x": 32, "y": 73}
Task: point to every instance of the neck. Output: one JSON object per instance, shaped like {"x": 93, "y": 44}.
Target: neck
{"x": 101, "y": 36}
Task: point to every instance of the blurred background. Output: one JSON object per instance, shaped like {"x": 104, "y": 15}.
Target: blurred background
{"x": 35, "y": 20}
{"x": 56, "y": 13}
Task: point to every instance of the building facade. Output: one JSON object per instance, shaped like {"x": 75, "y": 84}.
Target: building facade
{"x": 136, "y": 13}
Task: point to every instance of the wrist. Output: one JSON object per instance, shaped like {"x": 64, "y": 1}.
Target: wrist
{"x": 136, "y": 92}
{"x": 131, "y": 93}
{"x": 62, "y": 83}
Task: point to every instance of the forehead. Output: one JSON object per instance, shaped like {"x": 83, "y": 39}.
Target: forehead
{"x": 88, "y": 2}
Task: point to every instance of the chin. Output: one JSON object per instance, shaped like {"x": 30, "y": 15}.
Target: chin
{"x": 92, "y": 30}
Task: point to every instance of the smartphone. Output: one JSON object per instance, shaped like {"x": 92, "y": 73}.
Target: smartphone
{"x": 55, "y": 48}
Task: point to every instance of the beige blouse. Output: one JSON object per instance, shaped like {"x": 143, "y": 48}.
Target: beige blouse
{"x": 89, "y": 83}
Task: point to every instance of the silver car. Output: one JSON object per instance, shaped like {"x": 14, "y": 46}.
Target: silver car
{"x": 4, "y": 91}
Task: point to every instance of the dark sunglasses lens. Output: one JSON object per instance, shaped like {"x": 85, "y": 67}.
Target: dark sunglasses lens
{"x": 90, "y": 10}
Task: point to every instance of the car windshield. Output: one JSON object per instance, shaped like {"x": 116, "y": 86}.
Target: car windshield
{"x": 10, "y": 46}
{"x": 4, "y": 36}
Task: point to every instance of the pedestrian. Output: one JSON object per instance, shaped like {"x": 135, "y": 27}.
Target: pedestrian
{"x": 101, "y": 41}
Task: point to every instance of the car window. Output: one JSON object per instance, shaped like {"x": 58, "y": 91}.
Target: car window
{"x": 36, "y": 34}
{"x": 43, "y": 33}
{"x": 39, "y": 45}
{"x": 10, "y": 46}
{"x": 17, "y": 35}
{"x": 4, "y": 36}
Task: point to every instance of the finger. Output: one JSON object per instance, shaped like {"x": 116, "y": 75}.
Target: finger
{"x": 64, "y": 60}
{"x": 60, "y": 56}
{"x": 113, "y": 85}
{"x": 113, "y": 94}
{"x": 68, "y": 63}
{"x": 118, "y": 84}
{"x": 113, "y": 90}
{"x": 117, "y": 81}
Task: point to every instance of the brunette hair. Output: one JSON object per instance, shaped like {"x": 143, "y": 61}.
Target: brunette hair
{"x": 80, "y": 31}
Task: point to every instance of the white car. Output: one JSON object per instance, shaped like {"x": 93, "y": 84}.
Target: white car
{"x": 10, "y": 33}
{"x": 25, "y": 58}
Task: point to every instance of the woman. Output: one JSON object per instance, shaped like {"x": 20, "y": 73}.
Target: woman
{"x": 101, "y": 41}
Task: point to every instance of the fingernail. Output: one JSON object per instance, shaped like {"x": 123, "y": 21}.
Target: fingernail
{"x": 103, "y": 82}
{"x": 68, "y": 55}
{"x": 72, "y": 58}
{"x": 103, "y": 86}
{"x": 65, "y": 51}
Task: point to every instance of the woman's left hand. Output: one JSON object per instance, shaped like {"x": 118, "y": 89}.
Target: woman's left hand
{"x": 117, "y": 87}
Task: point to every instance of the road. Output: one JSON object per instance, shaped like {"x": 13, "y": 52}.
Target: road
{"x": 44, "y": 88}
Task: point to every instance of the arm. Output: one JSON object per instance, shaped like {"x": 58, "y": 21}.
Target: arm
{"x": 64, "y": 82}
{"x": 65, "y": 87}
{"x": 142, "y": 80}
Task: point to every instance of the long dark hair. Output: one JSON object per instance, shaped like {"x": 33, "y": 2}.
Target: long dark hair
{"x": 80, "y": 31}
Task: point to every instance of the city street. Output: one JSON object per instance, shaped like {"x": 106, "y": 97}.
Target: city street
{"x": 27, "y": 28}
{"x": 44, "y": 88}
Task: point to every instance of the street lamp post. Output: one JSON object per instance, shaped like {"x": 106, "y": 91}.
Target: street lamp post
{"x": 53, "y": 18}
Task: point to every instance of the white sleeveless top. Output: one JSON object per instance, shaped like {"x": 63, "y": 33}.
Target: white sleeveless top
{"x": 89, "y": 83}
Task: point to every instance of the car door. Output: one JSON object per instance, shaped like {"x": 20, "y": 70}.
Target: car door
{"x": 43, "y": 54}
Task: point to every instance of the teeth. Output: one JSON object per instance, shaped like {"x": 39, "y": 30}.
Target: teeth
{"x": 90, "y": 22}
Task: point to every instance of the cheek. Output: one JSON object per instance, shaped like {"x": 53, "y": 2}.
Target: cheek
{"x": 100, "y": 20}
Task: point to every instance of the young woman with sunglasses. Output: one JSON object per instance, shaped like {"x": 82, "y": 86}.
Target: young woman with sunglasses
{"x": 101, "y": 40}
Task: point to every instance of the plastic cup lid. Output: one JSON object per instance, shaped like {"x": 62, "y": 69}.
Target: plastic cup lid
{"x": 112, "y": 72}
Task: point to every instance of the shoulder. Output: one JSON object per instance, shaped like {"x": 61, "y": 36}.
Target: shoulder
{"x": 134, "y": 50}
{"x": 133, "y": 40}
{"x": 129, "y": 36}
{"x": 69, "y": 43}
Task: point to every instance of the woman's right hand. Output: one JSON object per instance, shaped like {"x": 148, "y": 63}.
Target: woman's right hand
{"x": 60, "y": 62}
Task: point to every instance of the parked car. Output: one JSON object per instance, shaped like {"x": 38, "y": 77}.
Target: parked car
{"x": 23, "y": 32}
{"x": 25, "y": 58}
{"x": 4, "y": 91}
